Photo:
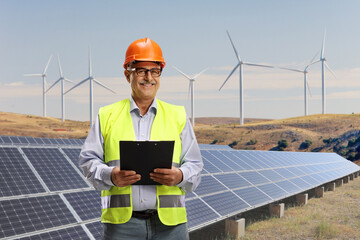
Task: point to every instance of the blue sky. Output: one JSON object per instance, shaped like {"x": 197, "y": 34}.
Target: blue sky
{"x": 193, "y": 36}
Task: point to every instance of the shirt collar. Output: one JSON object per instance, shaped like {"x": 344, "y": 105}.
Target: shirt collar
{"x": 134, "y": 107}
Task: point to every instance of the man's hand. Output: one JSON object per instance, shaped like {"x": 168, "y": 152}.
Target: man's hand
{"x": 123, "y": 178}
{"x": 168, "y": 177}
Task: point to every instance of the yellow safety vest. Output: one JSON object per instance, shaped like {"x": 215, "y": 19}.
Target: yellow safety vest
{"x": 116, "y": 124}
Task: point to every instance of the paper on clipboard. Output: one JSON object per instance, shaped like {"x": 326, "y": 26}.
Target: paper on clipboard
{"x": 144, "y": 156}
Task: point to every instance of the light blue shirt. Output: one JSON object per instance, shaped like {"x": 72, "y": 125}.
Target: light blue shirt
{"x": 91, "y": 158}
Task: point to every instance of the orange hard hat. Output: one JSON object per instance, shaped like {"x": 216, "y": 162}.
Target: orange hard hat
{"x": 144, "y": 50}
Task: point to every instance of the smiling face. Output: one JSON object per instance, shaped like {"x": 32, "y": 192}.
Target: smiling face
{"x": 144, "y": 88}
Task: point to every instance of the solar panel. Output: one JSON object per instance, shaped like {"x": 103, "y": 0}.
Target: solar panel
{"x": 73, "y": 154}
{"x": 199, "y": 213}
{"x": 48, "y": 183}
{"x": 96, "y": 229}
{"x": 54, "y": 169}
{"x": 257, "y": 178}
{"x": 232, "y": 180}
{"x": 16, "y": 177}
{"x": 62, "y": 234}
{"x": 22, "y": 140}
{"x": 226, "y": 203}
{"x": 215, "y": 147}
{"x": 87, "y": 204}
{"x": 19, "y": 216}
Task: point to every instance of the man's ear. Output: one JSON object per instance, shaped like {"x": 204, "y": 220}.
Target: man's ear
{"x": 127, "y": 75}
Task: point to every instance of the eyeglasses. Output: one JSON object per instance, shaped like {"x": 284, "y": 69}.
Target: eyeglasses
{"x": 142, "y": 72}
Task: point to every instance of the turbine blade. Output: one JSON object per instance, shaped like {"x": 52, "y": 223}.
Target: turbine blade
{"x": 47, "y": 65}
{"x": 312, "y": 60}
{"x": 229, "y": 75}
{"x": 236, "y": 53}
{"x": 68, "y": 80}
{"x": 307, "y": 66}
{"x": 90, "y": 63}
{"x": 257, "y": 65}
{"x": 103, "y": 85}
{"x": 33, "y": 75}
{"x": 59, "y": 64}
{"x": 308, "y": 86}
{"x": 181, "y": 72}
{"x": 77, "y": 85}
{"x": 291, "y": 69}
{"x": 323, "y": 46}
{"x": 200, "y": 73}
{"x": 53, "y": 85}
{"x": 327, "y": 66}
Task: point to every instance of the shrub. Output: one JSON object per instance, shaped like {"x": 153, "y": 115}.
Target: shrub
{"x": 214, "y": 142}
{"x": 306, "y": 144}
{"x": 251, "y": 142}
{"x": 327, "y": 140}
{"x": 282, "y": 144}
{"x": 351, "y": 142}
{"x": 233, "y": 144}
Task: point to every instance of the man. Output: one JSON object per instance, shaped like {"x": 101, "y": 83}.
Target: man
{"x": 142, "y": 211}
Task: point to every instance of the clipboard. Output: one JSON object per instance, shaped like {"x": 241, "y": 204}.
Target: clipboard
{"x": 144, "y": 156}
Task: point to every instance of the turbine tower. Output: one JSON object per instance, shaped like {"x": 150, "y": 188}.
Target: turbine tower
{"x": 91, "y": 80}
{"x": 191, "y": 90}
{"x": 61, "y": 80}
{"x": 43, "y": 76}
{"x": 323, "y": 65}
{"x": 240, "y": 66}
{"x": 306, "y": 83}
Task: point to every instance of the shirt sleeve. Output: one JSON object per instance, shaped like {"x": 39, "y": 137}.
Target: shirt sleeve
{"x": 191, "y": 163}
{"x": 91, "y": 159}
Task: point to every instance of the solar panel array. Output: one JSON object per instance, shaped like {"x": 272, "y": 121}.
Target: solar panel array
{"x": 44, "y": 195}
{"x": 236, "y": 181}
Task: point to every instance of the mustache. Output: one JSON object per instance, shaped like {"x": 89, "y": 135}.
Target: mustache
{"x": 143, "y": 82}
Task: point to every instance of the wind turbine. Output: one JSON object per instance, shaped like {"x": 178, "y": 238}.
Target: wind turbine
{"x": 240, "y": 66}
{"x": 306, "y": 83}
{"x": 43, "y": 76}
{"x": 323, "y": 64}
{"x": 91, "y": 80}
{"x": 61, "y": 80}
{"x": 191, "y": 90}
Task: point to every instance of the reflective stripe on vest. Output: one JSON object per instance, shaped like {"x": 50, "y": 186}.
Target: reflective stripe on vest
{"x": 170, "y": 201}
{"x": 115, "y": 201}
{"x": 116, "y": 124}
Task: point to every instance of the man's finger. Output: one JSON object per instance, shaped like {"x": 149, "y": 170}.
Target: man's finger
{"x": 126, "y": 173}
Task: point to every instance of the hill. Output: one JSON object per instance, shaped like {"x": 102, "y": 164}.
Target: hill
{"x": 326, "y": 133}
{"x": 329, "y": 132}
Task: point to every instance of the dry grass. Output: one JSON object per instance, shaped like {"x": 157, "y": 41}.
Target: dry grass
{"x": 13, "y": 124}
{"x": 335, "y": 216}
